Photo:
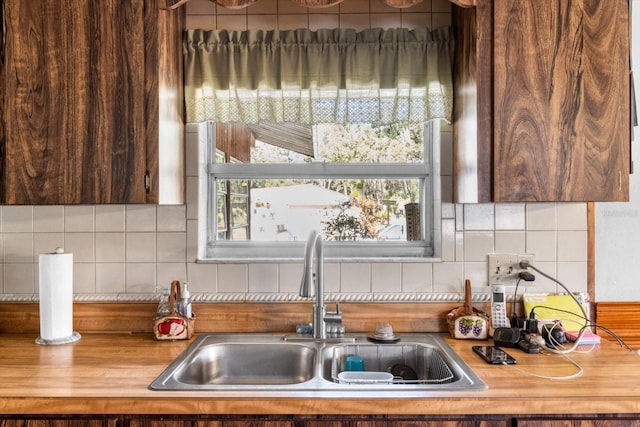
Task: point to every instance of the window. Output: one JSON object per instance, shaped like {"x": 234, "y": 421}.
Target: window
{"x": 373, "y": 191}
{"x": 334, "y": 130}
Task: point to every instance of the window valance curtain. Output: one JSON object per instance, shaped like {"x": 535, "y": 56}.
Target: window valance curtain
{"x": 325, "y": 76}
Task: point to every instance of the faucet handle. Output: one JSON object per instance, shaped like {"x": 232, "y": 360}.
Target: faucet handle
{"x": 336, "y": 313}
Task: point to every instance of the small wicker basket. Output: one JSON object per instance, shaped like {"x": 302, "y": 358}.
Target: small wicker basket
{"x": 174, "y": 325}
{"x": 467, "y": 322}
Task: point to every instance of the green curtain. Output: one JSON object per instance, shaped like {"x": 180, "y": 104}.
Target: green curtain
{"x": 325, "y": 76}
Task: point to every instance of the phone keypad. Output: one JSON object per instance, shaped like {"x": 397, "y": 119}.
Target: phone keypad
{"x": 498, "y": 315}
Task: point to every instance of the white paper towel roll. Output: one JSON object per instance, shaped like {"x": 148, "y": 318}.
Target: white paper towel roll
{"x": 56, "y": 298}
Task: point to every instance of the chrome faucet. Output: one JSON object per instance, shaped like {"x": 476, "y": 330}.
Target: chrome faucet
{"x": 313, "y": 247}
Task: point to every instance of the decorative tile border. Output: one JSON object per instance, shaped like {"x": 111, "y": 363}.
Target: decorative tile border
{"x": 260, "y": 298}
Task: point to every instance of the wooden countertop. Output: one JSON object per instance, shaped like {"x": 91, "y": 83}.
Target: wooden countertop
{"x": 110, "y": 373}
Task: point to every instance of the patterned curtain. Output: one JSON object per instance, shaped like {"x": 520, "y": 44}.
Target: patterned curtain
{"x": 325, "y": 76}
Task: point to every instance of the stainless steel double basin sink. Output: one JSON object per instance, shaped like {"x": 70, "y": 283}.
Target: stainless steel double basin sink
{"x": 266, "y": 363}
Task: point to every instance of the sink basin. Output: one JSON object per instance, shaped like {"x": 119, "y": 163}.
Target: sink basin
{"x": 248, "y": 363}
{"x": 266, "y": 363}
{"x": 411, "y": 363}
{"x": 212, "y": 362}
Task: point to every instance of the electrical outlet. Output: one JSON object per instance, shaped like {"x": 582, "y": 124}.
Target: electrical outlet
{"x": 504, "y": 268}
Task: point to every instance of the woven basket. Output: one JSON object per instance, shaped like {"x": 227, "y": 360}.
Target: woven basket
{"x": 174, "y": 325}
{"x": 467, "y": 322}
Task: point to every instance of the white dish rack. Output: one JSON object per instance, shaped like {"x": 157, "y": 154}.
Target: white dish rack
{"x": 425, "y": 360}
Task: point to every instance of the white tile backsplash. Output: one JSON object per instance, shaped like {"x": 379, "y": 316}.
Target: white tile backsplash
{"x": 81, "y": 245}
{"x": 388, "y": 20}
{"x": 318, "y": 21}
{"x": 510, "y": 242}
{"x": 541, "y": 216}
{"x": 355, "y": 277}
{"x": 332, "y": 272}
{"x": 354, "y": 7}
{"x": 543, "y": 244}
{"x": 479, "y": 216}
{"x": 290, "y": 22}
{"x": 172, "y": 218}
{"x": 233, "y": 278}
{"x": 477, "y": 244}
{"x": 19, "y": 278}
{"x": 417, "y": 277}
{"x": 18, "y": 248}
{"x": 448, "y": 252}
{"x": 171, "y": 247}
{"x": 84, "y": 278}
{"x": 17, "y": 219}
{"x": 510, "y": 216}
{"x": 357, "y": 21}
{"x": 264, "y": 7}
{"x": 572, "y": 216}
{"x": 110, "y": 277}
{"x": 263, "y": 278}
{"x": 48, "y": 242}
{"x": 572, "y": 246}
{"x": 110, "y": 218}
{"x": 290, "y": 276}
{"x": 386, "y": 277}
{"x": 141, "y": 262}
{"x": 79, "y": 218}
{"x": 167, "y": 272}
{"x": 448, "y": 277}
{"x": 573, "y": 275}
{"x": 140, "y": 218}
{"x": 258, "y": 22}
{"x": 140, "y": 247}
{"x": 418, "y": 20}
{"x": 110, "y": 247}
{"x": 202, "y": 278}
{"x": 48, "y": 219}
{"x": 141, "y": 277}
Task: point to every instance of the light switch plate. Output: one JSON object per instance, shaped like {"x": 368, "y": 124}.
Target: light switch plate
{"x": 504, "y": 268}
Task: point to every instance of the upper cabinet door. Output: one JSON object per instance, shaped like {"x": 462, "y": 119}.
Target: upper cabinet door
{"x": 561, "y": 100}
{"x": 74, "y": 95}
{"x": 549, "y": 116}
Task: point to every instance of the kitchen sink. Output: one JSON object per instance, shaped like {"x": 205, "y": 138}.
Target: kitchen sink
{"x": 266, "y": 363}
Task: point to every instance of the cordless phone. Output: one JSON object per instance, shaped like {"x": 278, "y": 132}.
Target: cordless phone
{"x": 499, "y": 307}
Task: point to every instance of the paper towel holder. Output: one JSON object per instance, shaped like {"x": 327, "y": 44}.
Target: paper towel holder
{"x": 75, "y": 336}
{"x": 57, "y": 296}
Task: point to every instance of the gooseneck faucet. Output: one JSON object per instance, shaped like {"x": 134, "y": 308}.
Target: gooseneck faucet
{"x": 313, "y": 247}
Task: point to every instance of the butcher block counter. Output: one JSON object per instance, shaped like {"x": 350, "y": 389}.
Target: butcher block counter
{"x": 110, "y": 374}
{"x": 104, "y": 377}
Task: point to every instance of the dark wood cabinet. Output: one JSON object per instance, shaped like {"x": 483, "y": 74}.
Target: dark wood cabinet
{"x": 318, "y": 421}
{"x": 81, "y": 86}
{"x": 542, "y": 101}
{"x": 600, "y": 422}
{"x": 71, "y": 421}
{"x": 321, "y": 421}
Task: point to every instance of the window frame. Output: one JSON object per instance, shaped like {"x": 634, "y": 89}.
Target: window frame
{"x": 211, "y": 249}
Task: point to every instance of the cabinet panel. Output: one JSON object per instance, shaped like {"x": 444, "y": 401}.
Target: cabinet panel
{"x": 75, "y": 100}
{"x": 578, "y": 423}
{"x": 561, "y": 100}
{"x": 321, "y": 421}
{"x": 542, "y": 101}
{"x": 65, "y": 422}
